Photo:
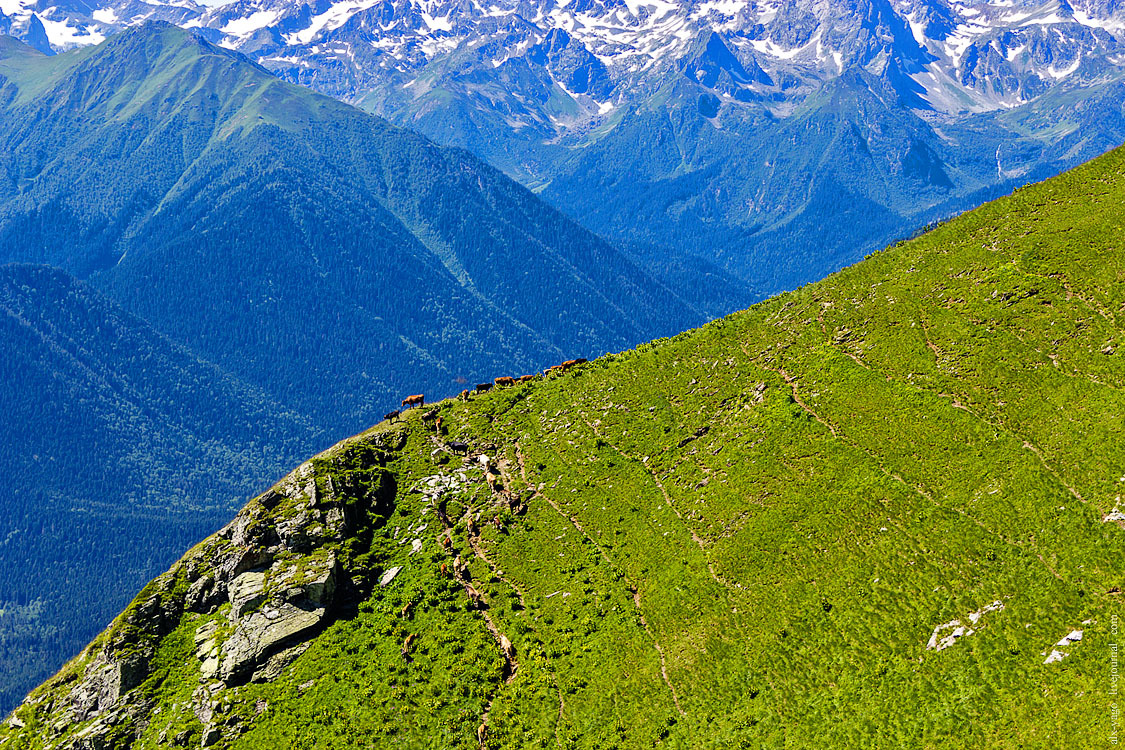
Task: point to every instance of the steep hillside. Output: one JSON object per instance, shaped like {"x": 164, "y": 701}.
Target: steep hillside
{"x": 310, "y": 249}
{"x": 883, "y": 510}
{"x": 118, "y": 449}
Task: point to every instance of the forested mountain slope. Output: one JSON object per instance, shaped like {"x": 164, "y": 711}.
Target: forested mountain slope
{"x": 118, "y": 449}
{"x": 311, "y": 249}
{"x": 881, "y": 510}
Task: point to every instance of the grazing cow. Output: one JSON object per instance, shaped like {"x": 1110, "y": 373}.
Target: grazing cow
{"x": 506, "y": 647}
{"x": 458, "y": 447}
{"x": 474, "y": 597}
{"x": 444, "y": 570}
{"x": 446, "y": 542}
{"x": 465, "y": 395}
{"x": 505, "y": 380}
{"x": 406, "y": 609}
{"x": 482, "y": 731}
{"x": 416, "y": 400}
{"x": 581, "y": 361}
{"x": 499, "y": 524}
{"x": 406, "y": 647}
{"x": 471, "y": 526}
{"x": 430, "y": 416}
{"x": 392, "y": 415}
{"x": 438, "y": 424}
{"x": 526, "y": 378}
{"x": 482, "y": 387}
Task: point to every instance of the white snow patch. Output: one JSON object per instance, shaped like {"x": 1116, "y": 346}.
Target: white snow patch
{"x": 333, "y": 18}
{"x": 251, "y": 23}
{"x": 437, "y": 24}
{"x": 105, "y": 15}
{"x": 767, "y": 46}
{"x": 919, "y": 31}
{"x": 1058, "y": 74}
{"x": 1098, "y": 23}
{"x": 62, "y": 34}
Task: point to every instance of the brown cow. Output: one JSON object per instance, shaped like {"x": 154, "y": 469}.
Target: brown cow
{"x": 438, "y": 423}
{"x": 406, "y": 646}
{"x": 482, "y": 387}
{"x": 415, "y": 400}
{"x": 526, "y": 378}
{"x": 444, "y": 570}
{"x": 465, "y": 395}
{"x": 505, "y": 380}
{"x": 392, "y": 415}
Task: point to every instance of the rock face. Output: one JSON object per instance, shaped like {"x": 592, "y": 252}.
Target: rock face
{"x": 259, "y": 589}
{"x": 286, "y": 611}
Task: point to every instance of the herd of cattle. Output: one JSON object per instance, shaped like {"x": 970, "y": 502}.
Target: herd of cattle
{"x": 432, "y": 415}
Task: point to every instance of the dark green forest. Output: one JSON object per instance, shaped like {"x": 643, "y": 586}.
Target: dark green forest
{"x": 119, "y": 449}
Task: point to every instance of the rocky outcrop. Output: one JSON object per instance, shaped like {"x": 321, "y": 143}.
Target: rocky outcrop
{"x": 255, "y": 592}
{"x": 271, "y": 615}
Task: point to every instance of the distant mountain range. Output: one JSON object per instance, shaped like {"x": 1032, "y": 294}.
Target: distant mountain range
{"x": 771, "y": 141}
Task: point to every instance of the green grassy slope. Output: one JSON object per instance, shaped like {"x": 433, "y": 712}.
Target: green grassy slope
{"x": 744, "y": 536}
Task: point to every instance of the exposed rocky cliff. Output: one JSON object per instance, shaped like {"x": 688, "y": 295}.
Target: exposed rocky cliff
{"x": 253, "y": 594}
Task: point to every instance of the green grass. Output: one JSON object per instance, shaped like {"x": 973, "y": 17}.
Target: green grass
{"x": 744, "y": 536}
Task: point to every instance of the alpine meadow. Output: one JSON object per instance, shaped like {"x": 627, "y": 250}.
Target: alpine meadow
{"x": 881, "y": 510}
